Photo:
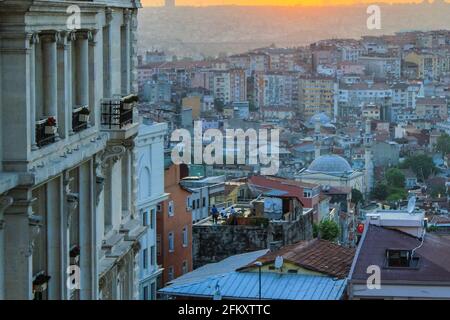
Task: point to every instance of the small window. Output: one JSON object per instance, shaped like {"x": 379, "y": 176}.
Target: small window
{"x": 152, "y": 256}
{"x": 171, "y": 209}
{"x": 193, "y": 205}
{"x": 185, "y": 267}
{"x": 171, "y": 242}
{"x": 152, "y": 218}
{"x": 400, "y": 259}
{"x": 204, "y": 202}
{"x": 153, "y": 291}
{"x": 145, "y": 292}
{"x": 158, "y": 245}
{"x": 185, "y": 237}
{"x": 170, "y": 273}
{"x": 198, "y": 203}
{"x": 145, "y": 258}
{"x": 145, "y": 218}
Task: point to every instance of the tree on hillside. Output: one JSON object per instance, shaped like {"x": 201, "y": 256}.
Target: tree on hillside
{"x": 395, "y": 178}
{"x": 443, "y": 144}
{"x": 357, "y": 196}
{"x": 380, "y": 192}
{"x": 422, "y": 165}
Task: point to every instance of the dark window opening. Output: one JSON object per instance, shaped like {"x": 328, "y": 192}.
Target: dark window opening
{"x": 400, "y": 259}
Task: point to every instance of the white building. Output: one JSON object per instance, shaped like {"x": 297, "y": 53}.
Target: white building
{"x": 205, "y": 193}
{"x": 67, "y": 193}
{"x": 150, "y": 148}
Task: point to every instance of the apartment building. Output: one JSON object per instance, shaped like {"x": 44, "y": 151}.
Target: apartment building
{"x": 316, "y": 95}
{"x": 381, "y": 66}
{"x": 238, "y": 85}
{"x": 432, "y": 108}
{"x": 174, "y": 227}
{"x": 430, "y": 65}
{"x": 69, "y": 224}
{"x": 150, "y": 148}
{"x": 276, "y": 89}
{"x": 221, "y": 84}
{"x": 352, "y": 97}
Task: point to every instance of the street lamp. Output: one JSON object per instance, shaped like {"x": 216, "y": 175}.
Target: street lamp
{"x": 259, "y": 265}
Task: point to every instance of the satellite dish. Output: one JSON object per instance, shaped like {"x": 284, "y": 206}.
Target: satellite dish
{"x": 411, "y": 204}
{"x": 279, "y": 262}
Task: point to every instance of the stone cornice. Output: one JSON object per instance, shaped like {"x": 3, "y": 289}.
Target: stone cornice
{"x": 55, "y": 159}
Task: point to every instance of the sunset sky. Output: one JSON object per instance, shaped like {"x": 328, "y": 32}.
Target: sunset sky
{"x": 268, "y": 2}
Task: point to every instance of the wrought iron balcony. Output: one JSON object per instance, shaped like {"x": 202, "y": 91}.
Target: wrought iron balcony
{"x": 80, "y": 118}
{"x": 118, "y": 116}
{"x": 45, "y": 132}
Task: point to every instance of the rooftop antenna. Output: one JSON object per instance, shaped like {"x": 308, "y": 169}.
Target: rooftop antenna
{"x": 411, "y": 204}
{"x": 217, "y": 295}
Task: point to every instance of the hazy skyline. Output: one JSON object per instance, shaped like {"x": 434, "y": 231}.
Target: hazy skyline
{"x": 272, "y": 2}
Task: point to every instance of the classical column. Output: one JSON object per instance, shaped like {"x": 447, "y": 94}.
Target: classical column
{"x": 34, "y": 40}
{"x": 50, "y": 73}
{"x": 82, "y": 65}
{"x": 56, "y": 252}
{"x": 134, "y": 53}
{"x": 107, "y": 54}
{"x": 5, "y": 202}
{"x": 71, "y": 42}
{"x": 69, "y": 204}
{"x": 64, "y": 84}
{"x": 132, "y": 178}
{"x": 93, "y": 75}
{"x": 126, "y": 44}
{"x": 21, "y": 229}
{"x": 87, "y": 233}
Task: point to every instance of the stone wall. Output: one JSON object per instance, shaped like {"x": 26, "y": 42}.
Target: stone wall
{"x": 212, "y": 243}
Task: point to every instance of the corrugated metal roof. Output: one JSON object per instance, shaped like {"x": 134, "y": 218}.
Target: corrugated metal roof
{"x": 219, "y": 268}
{"x": 245, "y": 285}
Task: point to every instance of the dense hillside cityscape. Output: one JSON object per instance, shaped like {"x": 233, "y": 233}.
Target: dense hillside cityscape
{"x": 272, "y": 170}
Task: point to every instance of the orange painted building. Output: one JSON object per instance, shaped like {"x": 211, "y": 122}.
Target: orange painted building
{"x": 174, "y": 228}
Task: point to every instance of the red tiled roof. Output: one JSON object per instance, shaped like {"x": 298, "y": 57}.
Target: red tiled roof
{"x": 316, "y": 255}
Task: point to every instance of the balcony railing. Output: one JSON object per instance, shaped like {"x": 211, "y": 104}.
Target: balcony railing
{"x": 45, "y": 134}
{"x": 118, "y": 113}
{"x": 80, "y": 118}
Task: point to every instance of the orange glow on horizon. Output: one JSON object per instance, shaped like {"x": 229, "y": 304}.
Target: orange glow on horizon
{"x": 272, "y": 2}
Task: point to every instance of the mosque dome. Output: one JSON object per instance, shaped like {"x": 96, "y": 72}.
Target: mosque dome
{"x": 330, "y": 164}
{"x": 321, "y": 117}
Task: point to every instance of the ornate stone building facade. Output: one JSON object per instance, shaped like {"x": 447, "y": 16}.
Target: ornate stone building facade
{"x": 69, "y": 227}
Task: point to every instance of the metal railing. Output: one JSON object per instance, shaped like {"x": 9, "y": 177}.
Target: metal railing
{"x": 80, "y": 118}
{"x": 43, "y": 138}
{"x": 118, "y": 113}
